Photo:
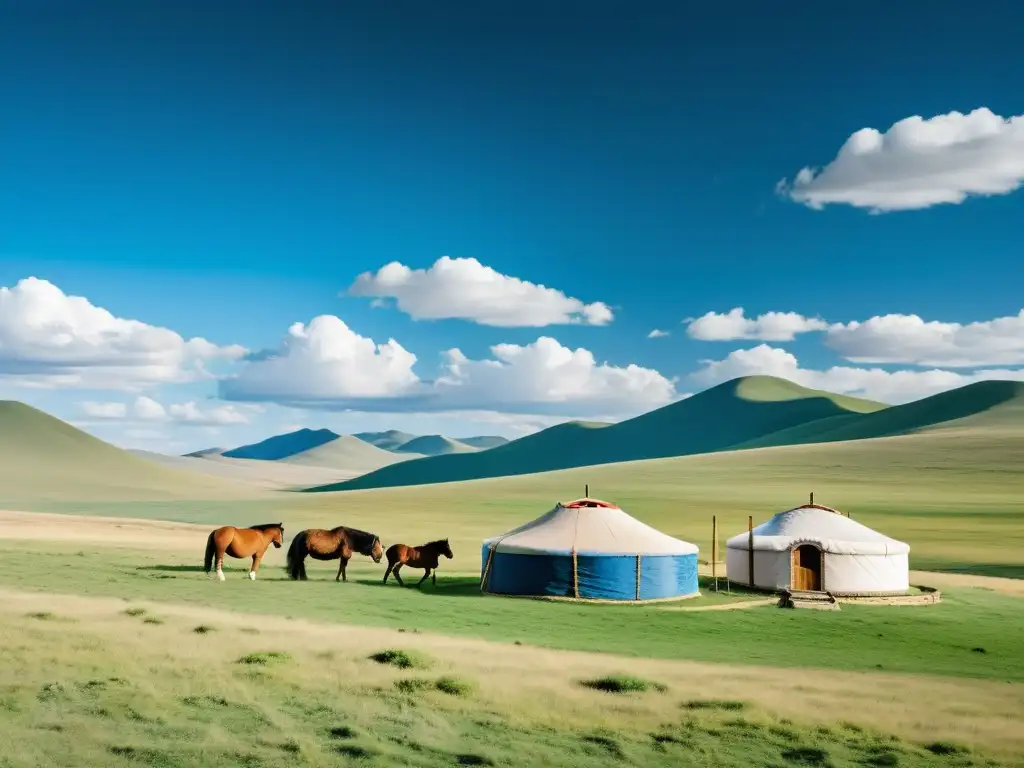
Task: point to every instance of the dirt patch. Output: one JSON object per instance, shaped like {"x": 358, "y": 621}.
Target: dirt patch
{"x": 104, "y": 531}
{"x": 995, "y": 583}
{"x": 724, "y": 606}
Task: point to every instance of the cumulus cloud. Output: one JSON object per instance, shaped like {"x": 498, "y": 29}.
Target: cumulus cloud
{"x": 873, "y": 383}
{"x": 656, "y": 334}
{"x": 146, "y": 409}
{"x": 734, "y": 324}
{"x": 327, "y": 365}
{"x": 466, "y": 289}
{"x": 908, "y": 339}
{"x": 918, "y": 163}
{"x": 324, "y": 361}
{"x": 51, "y": 339}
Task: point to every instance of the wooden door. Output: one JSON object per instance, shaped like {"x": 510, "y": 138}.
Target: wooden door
{"x": 806, "y": 568}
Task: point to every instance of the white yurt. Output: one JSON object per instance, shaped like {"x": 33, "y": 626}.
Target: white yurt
{"x": 588, "y": 549}
{"x": 817, "y": 548}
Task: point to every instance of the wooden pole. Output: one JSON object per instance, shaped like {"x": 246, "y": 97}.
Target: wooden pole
{"x": 812, "y": 498}
{"x": 714, "y": 550}
{"x": 750, "y": 544}
{"x": 586, "y": 491}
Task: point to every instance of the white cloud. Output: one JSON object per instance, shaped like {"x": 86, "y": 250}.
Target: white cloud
{"x": 919, "y": 163}
{"x": 322, "y": 362}
{"x": 146, "y": 409}
{"x": 734, "y": 324}
{"x": 872, "y": 383}
{"x": 327, "y": 365}
{"x": 468, "y": 290}
{"x": 50, "y": 339}
{"x": 545, "y": 376}
{"x": 657, "y": 334}
{"x": 908, "y": 339}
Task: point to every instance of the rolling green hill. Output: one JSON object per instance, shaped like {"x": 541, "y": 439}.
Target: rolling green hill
{"x": 484, "y": 442}
{"x": 389, "y": 440}
{"x": 714, "y": 420}
{"x": 434, "y": 445}
{"x": 347, "y": 453}
{"x": 282, "y": 446}
{"x": 44, "y": 458}
{"x": 984, "y": 403}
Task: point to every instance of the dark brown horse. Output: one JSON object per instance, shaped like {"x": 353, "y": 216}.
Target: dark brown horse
{"x": 425, "y": 556}
{"x": 336, "y": 544}
{"x": 242, "y": 542}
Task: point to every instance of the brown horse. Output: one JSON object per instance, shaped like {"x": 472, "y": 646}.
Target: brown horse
{"x": 336, "y": 544}
{"x": 425, "y": 556}
{"x": 242, "y": 542}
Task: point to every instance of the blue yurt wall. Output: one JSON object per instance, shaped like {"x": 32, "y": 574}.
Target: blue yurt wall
{"x": 589, "y": 550}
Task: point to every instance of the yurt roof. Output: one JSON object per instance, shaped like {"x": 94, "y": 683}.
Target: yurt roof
{"x": 590, "y": 527}
{"x": 815, "y": 524}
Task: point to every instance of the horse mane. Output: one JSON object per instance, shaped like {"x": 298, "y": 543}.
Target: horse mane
{"x": 361, "y": 540}
{"x": 265, "y": 526}
{"x": 438, "y": 543}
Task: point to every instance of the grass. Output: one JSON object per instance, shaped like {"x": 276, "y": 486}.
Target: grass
{"x": 623, "y": 684}
{"x": 112, "y": 695}
{"x": 928, "y": 639}
{"x": 401, "y": 659}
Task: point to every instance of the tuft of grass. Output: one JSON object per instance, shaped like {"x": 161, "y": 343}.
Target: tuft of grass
{"x": 946, "y": 748}
{"x": 719, "y": 705}
{"x": 264, "y": 658}
{"x": 342, "y": 732}
{"x": 203, "y": 629}
{"x": 806, "y": 756}
{"x": 134, "y": 612}
{"x": 412, "y": 684}
{"x": 152, "y": 620}
{"x": 353, "y": 751}
{"x": 454, "y": 686}
{"x": 623, "y": 684}
{"x": 470, "y": 758}
{"x": 401, "y": 659}
{"x": 883, "y": 760}
{"x": 41, "y": 616}
{"x": 608, "y": 744}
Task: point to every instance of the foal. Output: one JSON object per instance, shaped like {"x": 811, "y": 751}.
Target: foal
{"x": 425, "y": 556}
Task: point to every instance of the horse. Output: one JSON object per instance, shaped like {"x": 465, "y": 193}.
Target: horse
{"x": 425, "y": 556}
{"x": 242, "y": 542}
{"x": 336, "y": 544}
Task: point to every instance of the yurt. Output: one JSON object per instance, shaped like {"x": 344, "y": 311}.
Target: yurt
{"x": 588, "y": 549}
{"x": 817, "y": 548}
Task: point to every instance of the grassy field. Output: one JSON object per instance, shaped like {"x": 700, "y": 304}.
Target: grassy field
{"x": 936, "y": 640}
{"x": 109, "y": 682}
{"x": 953, "y": 495}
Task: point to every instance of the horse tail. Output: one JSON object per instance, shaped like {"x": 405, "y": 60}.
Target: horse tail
{"x": 211, "y": 549}
{"x": 296, "y": 557}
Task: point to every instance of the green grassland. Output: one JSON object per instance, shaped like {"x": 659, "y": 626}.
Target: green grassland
{"x": 927, "y": 640}
{"x": 94, "y": 683}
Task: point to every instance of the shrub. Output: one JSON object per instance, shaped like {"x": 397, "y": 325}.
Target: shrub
{"x": 622, "y": 684}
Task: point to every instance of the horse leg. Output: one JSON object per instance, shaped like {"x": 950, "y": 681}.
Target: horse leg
{"x": 398, "y": 578}
{"x": 220, "y": 564}
{"x": 343, "y": 562}
{"x": 433, "y": 577}
{"x": 256, "y": 560}
{"x": 426, "y": 574}
{"x": 388, "y": 572}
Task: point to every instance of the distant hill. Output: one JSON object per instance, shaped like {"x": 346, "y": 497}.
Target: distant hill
{"x": 206, "y": 452}
{"x": 282, "y": 446}
{"x": 350, "y": 454}
{"x": 44, "y": 458}
{"x": 992, "y": 403}
{"x": 389, "y": 441}
{"x": 483, "y": 442}
{"x": 732, "y": 413}
{"x": 435, "y": 445}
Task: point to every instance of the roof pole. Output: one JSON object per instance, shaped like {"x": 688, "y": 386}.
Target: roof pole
{"x": 812, "y": 498}
{"x": 586, "y": 491}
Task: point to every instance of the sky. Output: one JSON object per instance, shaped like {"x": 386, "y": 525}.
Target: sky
{"x": 222, "y": 220}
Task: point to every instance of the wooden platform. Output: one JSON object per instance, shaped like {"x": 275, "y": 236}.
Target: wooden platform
{"x": 819, "y": 601}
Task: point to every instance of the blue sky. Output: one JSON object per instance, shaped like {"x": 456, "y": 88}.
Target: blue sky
{"x": 225, "y": 170}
